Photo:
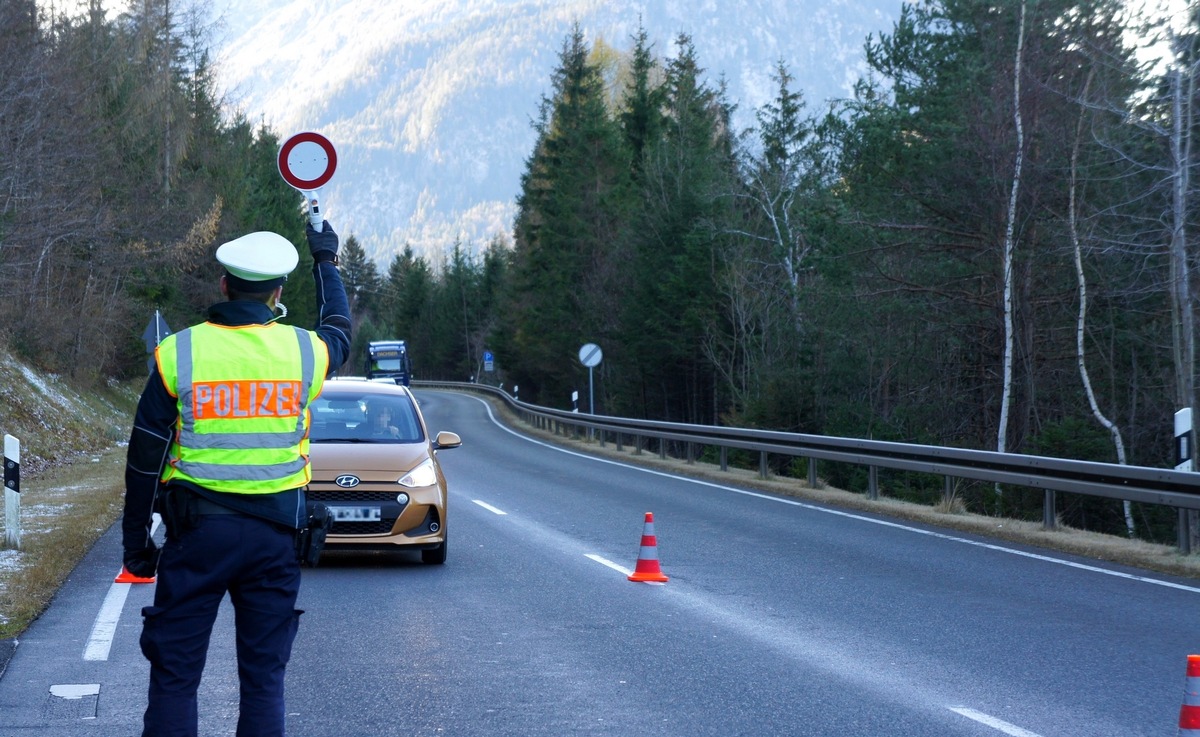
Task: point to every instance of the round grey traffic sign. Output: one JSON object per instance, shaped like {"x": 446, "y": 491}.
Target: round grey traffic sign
{"x": 590, "y": 355}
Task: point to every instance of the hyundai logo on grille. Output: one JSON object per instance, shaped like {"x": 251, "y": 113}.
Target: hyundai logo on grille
{"x": 346, "y": 481}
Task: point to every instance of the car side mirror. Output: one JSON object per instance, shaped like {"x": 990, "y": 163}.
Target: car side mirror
{"x": 446, "y": 440}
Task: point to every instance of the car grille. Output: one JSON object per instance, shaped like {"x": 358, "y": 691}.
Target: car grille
{"x": 382, "y": 527}
{"x": 352, "y": 495}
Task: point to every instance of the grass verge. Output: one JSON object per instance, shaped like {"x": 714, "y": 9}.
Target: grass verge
{"x": 72, "y": 480}
{"x": 64, "y": 512}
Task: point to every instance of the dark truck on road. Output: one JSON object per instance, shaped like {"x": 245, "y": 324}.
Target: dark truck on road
{"x": 388, "y": 359}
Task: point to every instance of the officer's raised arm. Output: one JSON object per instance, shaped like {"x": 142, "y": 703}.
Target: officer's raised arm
{"x": 333, "y": 307}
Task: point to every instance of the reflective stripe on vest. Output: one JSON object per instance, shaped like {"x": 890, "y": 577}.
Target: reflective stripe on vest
{"x": 257, "y": 399}
{"x": 240, "y": 433}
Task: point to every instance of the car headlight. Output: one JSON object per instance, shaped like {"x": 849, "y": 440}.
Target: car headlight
{"x": 422, "y": 475}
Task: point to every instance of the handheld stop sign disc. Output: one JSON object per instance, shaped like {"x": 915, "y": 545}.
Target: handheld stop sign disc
{"x": 307, "y": 162}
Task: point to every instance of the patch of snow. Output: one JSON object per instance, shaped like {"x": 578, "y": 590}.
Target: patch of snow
{"x": 10, "y": 560}
{"x": 40, "y": 384}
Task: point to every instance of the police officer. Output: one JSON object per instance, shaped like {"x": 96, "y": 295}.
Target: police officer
{"x": 220, "y": 447}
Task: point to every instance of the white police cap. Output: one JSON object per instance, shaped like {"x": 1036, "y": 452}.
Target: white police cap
{"x": 259, "y": 257}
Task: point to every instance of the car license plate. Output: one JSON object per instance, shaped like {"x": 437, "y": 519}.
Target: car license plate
{"x": 356, "y": 514}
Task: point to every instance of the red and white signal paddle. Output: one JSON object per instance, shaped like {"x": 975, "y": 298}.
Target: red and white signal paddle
{"x": 307, "y": 162}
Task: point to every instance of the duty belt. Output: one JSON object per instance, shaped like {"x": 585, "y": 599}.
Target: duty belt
{"x": 204, "y": 506}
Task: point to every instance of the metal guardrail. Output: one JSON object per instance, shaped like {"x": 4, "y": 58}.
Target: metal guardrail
{"x": 1168, "y": 487}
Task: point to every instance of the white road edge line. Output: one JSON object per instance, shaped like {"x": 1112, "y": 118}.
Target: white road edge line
{"x": 100, "y": 641}
{"x": 993, "y": 722}
{"x": 489, "y": 507}
{"x": 609, "y": 563}
{"x": 848, "y": 515}
{"x": 105, "y": 627}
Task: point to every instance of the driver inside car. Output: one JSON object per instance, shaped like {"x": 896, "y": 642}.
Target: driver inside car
{"x": 379, "y": 422}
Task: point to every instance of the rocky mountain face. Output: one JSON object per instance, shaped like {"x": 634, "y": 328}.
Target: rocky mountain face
{"x": 430, "y": 104}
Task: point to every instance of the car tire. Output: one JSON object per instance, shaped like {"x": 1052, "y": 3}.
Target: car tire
{"x": 435, "y": 556}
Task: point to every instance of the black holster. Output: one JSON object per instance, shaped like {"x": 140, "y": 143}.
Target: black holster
{"x": 178, "y": 512}
{"x": 310, "y": 539}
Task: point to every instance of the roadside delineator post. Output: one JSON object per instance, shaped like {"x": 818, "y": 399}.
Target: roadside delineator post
{"x": 12, "y": 492}
{"x": 647, "y": 570}
{"x": 1189, "y": 713}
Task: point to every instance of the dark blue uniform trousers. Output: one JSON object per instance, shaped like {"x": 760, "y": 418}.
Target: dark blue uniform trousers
{"x": 255, "y": 561}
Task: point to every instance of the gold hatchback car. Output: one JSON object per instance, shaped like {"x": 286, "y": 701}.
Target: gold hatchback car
{"x": 376, "y": 468}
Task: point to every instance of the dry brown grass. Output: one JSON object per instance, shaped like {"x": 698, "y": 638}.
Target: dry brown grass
{"x": 72, "y": 481}
{"x": 64, "y": 511}
{"x": 1110, "y": 548}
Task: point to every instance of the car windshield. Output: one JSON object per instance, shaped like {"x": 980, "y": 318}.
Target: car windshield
{"x": 366, "y": 418}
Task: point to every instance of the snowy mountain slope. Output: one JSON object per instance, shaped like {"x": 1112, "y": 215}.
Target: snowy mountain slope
{"x": 430, "y": 103}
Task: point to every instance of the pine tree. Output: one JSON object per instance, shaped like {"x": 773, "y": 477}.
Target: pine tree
{"x": 687, "y": 175}
{"x": 361, "y": 277}
{"x": 410, "y": 284}
{"x": 567, "y": 222}
{"x": 642, "y": 118}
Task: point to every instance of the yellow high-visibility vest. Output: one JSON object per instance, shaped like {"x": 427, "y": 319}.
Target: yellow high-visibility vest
{"x": 243, "y": 395}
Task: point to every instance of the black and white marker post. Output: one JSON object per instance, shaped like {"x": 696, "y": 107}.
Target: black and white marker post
{"x": 12, "y": 492}
{"x": 307, "y": 162}
{"x": 1185, "y": 461}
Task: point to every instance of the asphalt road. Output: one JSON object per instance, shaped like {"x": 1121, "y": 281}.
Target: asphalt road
{"x": 781, "y": 617}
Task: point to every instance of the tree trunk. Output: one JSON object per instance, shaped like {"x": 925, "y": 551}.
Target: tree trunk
{"x": 1006, "y": 392}
{"x": 1182, "y": 303}
{"x": 1081, "y": 320}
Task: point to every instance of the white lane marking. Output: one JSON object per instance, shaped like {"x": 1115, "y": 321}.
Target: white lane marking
{"x": 993, "y": 722}
{"x": 105, "y": 627}
{"x": 609, "y": 563}
{"x": 848, "y": 515}
{"x": 489, "y": 507}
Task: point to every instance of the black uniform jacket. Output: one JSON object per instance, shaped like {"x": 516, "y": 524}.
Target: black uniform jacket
{"x": 154, "y": 423}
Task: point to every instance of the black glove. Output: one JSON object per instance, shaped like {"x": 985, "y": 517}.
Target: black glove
{"x": 142, "y": 563}
{"x": 323, "y": 245}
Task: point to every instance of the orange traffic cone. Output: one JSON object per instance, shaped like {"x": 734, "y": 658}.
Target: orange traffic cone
{"x": 647, "y": 565}
{"x": 1189, "y": 713}
{"x": 126, "y": 577}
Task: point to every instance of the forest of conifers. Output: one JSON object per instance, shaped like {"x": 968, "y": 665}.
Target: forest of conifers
{"x": 989, "y": 245}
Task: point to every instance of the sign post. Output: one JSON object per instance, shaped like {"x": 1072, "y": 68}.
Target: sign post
{"x": 307, "y": 162}
{"x": 590, "y": 355}
{"x": 154, "y": 333}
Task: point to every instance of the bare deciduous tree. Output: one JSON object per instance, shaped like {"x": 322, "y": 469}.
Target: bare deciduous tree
{"x": 1010, "y": 224}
